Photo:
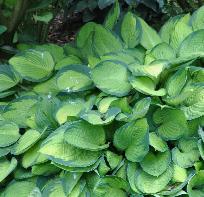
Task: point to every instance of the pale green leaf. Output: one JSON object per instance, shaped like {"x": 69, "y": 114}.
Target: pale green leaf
{"x": 33, "y": 65}
{"x": 112, "y": 78}
{"x": 131, "y": 30}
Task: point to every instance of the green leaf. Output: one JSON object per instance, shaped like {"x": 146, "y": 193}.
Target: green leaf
{"x": 8, "y": 78}
{"x": 195, "y": 186}
{"x": 170, "y": 128}
{"x": 74, "y": 78}
{"x": 108, "y": 183}
{"x": 54, "y": 187}
{"x": 132, "y": 169}
{"x": 133, "y": 139}
{"x": 157, "y": 142}
{"x": 25, "y": 142}
{"x": 194, "y": 104}
{"x": 4, "y": 151}
{"x": 180, "y": 174}
{"x": 192, "y": 45}
{"x": 6, "y": 167}
{"x": 176, "y": 82}
{"x": 180, "y": 32}
{"x": 33, "y": 65}
{"x": 140, "y": 108}
{"x": 9, "y": 133}
{"x": 112, "y": 16}
{"x": 85, "y": 136}
{"x": 151, "y": 184}
{"x": 94, "y": 39}
{"x": 95, "y": 118}
{"x": 113, "y": 159}
{"x": 55, "y": 50}
{"x": 152, "y": 70}
{"x": 197, "y": 19}
{"x": 146, "y": 86}
{"x": 19, "y": 110}
{"x": 59, "y": 151}
{"x": 69, "y": 60}
{"x": 22, "y": 188}
{"x": 47, "y": 87}
{"x": 103, "y": 168}
{"x": 175, "y": 189}
{"x": 156, "y": 163}
{"x": 130, "y": 30}
{"x": 150, "y": 37}
{"x": 2, "y": 29}
{"x": 112, "y": 78}
{"x": 69, "y": 108}
{"x": 162, "y": 51}
{"x": 185, "y": 159}
{"x": 33, "y": 156}
{"x": 78, "y": 169}
{"x": 44, "y": 169}
{"x": 120, "y": 56}
{"x": 167, "y": 29}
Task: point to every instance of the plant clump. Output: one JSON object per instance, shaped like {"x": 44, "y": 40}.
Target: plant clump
{"x": 119, "y": 113}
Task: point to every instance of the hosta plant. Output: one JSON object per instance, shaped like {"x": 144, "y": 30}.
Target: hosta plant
{"x": 119, "y": 113}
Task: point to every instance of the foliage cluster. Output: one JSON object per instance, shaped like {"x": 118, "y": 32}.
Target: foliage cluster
{"x": 119, "y": 113}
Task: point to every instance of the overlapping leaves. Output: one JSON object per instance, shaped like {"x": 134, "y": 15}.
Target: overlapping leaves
{"x": 121, "y": 113}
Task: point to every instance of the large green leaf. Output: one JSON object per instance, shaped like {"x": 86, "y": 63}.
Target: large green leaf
{"x": 86, "y": 136}
{"x": 6, "y": 167}
{"x": 74, "y": 78}
{"x": 70, "y": 108}
{"x": 192, "y": 44}
{"x": 33, "y": 65}
{"x": 9, "y": 133}
{"x": 180, "y": 32}
{"x": 151, "y": 184}
{"x": 130, "y": 30}
{"x": 96, "y": 118}
{"x": 55, "y": 50}
{"x": 54, "y": 188}
{"x": 197, "y": 19}
{"x": 111, "y": 186}
{"x": 167, "y": 28}
{"x": 162, "y": 51}
{"x": 150, "y": 37}
{"x": 22, "y": 188}
{"x": 196, "y": 185}
{"x": 194, "y": 104}
{"x": 176, "y": 82}
{"x": 140, "y": 108}
{"x": 8, "y": 78}
{"x": 69, "y": 60}
{"x": 132, "y": 169}
{"x": 94, "y": 39}
{"x": 185, "y": 159}
{"x": 156, "y": 163}
{"x": 33, "y": 156}
{"x": 146, "y": 86}
{"x": 19, "y": 110}
{"x": 170, "y": 128}
{"x": 157, "y": 142}
{"x": 59, "y": 151}
{"x": 25, "y": 142}
{"x": 112, "y": 17}
{"x": 112, "y": 78}
{"x": 133, "y": 139}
